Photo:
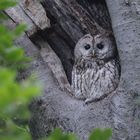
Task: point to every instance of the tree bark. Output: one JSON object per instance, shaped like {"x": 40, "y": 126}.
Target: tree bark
{"x": 51, "y": 48}
{"x": 125, "y": 22}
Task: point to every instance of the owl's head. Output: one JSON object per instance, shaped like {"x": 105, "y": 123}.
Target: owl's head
{"x": 84, "y": 47}
{"x": 105, "y": 46}
{"x": 101, "y": 47}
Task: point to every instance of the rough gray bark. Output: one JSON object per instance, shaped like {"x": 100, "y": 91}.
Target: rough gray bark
{"x": 70, "y": 19}
{"x": 125, "y": 17}
{"x": 30, "y": 13}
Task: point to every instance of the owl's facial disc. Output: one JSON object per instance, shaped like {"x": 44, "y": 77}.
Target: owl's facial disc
{"x": 84, "y": 48}
{"x": 87, "y": 47}
{"x": 87, "y": 51}
{"x": 100, "y": 46}
{"x": 101, "y": 50}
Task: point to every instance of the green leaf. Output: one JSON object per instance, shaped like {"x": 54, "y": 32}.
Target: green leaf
{"x": 14, "y": 94}
{"x": 19, "y": 30}
{"x": 57, "y": 134}
{"x": 6, "y": 39}
{"x": 4, "y": 4}
{"x": 99, "y": 134}
{"x": 14, "y": 54}
{"x": 2, "y": 123}
{"x": 2, "y": 16}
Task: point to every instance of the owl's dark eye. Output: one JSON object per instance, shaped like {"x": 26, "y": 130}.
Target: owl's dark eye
{"x": 100, "y": 46}
{"x": 87, "y": 47}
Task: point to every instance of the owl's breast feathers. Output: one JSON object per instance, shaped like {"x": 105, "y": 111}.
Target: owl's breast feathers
{"x": 83, "y": 64}
{"x": 95, "y": 79}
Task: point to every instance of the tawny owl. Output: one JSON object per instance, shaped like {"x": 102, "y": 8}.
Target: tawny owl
{"x": 96, "y": 70}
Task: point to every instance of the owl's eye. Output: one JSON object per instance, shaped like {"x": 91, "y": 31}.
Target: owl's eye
{"x": 100, "y": 46}
{"x": 87, "y": 47}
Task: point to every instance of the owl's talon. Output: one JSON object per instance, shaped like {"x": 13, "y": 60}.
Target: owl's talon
{"x": 87, "y": 101}
{"x": 85, "y": 104}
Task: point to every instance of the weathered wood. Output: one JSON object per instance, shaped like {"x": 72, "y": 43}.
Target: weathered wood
{"x": 73, "y": 18}
{"x": 30, "y": 13}
{"x": 54, "y": 63}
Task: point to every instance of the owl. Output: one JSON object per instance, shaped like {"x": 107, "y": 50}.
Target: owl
{"x": 96, "y": 70}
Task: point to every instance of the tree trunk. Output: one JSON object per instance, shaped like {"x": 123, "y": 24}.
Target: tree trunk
{"x": 51, "y": 48}
{"x": 126, "y": 26}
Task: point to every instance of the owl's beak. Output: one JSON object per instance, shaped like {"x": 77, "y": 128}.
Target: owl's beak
{"x": 93, "y": 54}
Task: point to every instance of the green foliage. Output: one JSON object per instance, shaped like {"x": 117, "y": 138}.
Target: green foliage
{"x": 58, "y": 135}
{"x": 15, "y": 95}
{"x": 2, "y": 16}
{"x": 4, "y": 4}
{"x": 99, "y": 134}
{"x": 10, "y": 131}
{"x": 11, "y": 56}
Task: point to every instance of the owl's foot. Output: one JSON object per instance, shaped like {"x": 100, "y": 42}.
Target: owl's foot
{"x": 88, "y": 100}
{"x": 79, "y": 96}
{"x": 95, "y": 99}
{"x": 92, "y": 99}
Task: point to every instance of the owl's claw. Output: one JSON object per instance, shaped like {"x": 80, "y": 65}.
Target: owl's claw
{"x": 87, "y": 101}
{"x": 85, "y": 104}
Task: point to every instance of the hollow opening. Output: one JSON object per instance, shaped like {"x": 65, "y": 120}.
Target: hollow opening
{"x": 58, "y": 36}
